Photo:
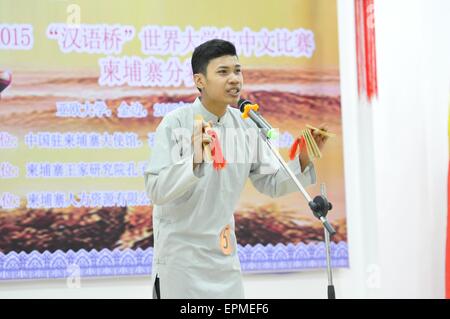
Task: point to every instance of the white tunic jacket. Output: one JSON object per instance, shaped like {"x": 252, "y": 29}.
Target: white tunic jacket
{"x": 195, "y": 247}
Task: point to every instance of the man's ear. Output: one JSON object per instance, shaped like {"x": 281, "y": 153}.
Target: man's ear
{"x": 199, "y": 80}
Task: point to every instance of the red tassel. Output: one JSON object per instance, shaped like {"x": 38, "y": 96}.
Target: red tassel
{"x": 366, "y": 61}
{"x": 293, "y": 150}
{"x": 298, "y": 143}
{"x": 219, "y": 161}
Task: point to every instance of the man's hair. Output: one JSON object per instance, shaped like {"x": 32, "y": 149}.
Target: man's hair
{"x": 208, "y": 51}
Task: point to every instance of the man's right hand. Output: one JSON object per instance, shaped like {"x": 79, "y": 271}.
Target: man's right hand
{"x": 201, "y": 141}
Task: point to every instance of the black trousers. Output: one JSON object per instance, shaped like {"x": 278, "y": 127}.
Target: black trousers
{"x": 156, "y": 289}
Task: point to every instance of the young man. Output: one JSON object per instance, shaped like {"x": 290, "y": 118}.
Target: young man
{"x": 195, "y": 248}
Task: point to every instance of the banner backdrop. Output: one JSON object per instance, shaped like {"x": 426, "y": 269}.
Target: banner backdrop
{"x": 83, "y": 88}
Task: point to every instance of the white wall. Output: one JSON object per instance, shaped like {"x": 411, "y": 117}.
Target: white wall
{"x": 411, "y": 145}
{"x": 396, "y": 155}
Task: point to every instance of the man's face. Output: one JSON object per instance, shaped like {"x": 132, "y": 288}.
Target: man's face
{"x": 223, "y": 82}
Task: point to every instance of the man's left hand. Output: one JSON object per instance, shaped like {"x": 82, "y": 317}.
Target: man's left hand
{"x": 320, "y": 140}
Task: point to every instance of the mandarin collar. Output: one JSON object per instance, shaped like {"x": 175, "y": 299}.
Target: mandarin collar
{"x": 199, "y": 108}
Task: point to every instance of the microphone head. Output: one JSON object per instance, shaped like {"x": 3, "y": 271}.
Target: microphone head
{"x": 242, "y": 103}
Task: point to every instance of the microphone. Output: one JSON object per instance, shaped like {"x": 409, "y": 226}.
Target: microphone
{"x": 249, "y": 109}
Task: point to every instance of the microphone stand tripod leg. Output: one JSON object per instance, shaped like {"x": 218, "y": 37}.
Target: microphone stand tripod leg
{"x": 330, "y": 291}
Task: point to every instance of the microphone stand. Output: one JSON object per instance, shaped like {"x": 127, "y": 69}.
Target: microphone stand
{"x": 330, "y": 291}
{"x": 319, "y": 206}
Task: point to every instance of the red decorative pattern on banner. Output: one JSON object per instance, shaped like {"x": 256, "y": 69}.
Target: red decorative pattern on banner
{"x": 365, "y": 49}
